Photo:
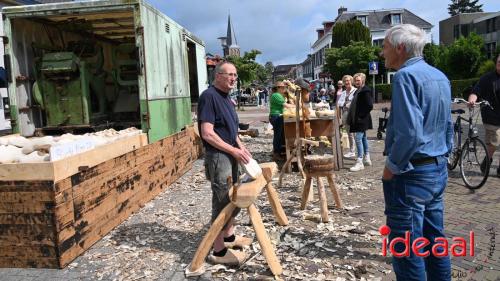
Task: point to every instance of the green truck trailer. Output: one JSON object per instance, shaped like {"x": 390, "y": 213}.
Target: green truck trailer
{"x": 85, "y": 66}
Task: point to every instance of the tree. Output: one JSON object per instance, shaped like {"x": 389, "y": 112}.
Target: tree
{"x": 349, "y": 59}
{"x": 345, "y": 32}
{"x": 463, "y": 58}
{"x": 432, "y": 54}
{"x": 246, "y": 66}
{"x": 464, "y": 6}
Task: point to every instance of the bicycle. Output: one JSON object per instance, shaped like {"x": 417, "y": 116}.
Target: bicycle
{"x": 473, "y": 154}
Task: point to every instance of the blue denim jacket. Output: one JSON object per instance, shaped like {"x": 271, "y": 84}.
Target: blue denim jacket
{"x": 420, "y": 121}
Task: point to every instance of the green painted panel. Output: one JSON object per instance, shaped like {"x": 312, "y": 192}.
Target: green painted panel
{"x": 14, "y": 119}
{"x": 168, "y": 116}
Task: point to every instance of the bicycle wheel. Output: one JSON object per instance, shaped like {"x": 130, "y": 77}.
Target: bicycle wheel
{"x": 474, "y": 152}
{"x": 454, "y": 154}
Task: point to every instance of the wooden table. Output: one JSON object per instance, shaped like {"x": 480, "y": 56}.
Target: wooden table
{"x": 320, "y": 127}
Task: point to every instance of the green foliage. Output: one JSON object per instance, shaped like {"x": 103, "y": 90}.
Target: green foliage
{"x": 349, "y": 59}
{"x": 464, "y": 6}
{"x": 247, "y": 68}
{"x": 385, "y": 89}
{"x": 463, "y": 58}
{"x": 485, "y": 67}
{"x": 345, "y": 32}
{"x": 458, "y": 87}
{"x": 433, "y": 54}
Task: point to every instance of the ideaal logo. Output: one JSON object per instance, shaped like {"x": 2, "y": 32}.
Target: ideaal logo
{"x": 439, "y": 249}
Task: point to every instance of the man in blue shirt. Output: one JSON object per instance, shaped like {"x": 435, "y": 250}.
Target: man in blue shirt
{"x": 218, "y": 126}
{"x": 419, "y": 136}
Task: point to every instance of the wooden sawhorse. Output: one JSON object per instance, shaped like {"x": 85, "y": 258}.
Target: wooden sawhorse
{"x": 244, "y": 196}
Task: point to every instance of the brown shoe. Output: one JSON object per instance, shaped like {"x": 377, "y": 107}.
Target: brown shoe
{"x": 232, "y": 257}
{"x": 239, "y": 242}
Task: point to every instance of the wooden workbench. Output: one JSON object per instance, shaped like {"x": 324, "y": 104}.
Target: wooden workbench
{"x": 324, "y": 126}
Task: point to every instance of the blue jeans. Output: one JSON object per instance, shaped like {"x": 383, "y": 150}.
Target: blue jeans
{"x": 414, "y": 202}
{"x": 361, "y": 144}
{"x": 279, "y": 133}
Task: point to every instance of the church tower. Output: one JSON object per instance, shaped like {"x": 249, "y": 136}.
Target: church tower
{"x": 229, "y": 44}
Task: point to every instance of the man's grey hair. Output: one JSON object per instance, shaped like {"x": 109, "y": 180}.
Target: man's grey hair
{"x": 410, "y": 36}
{"x": 220, "y": 64}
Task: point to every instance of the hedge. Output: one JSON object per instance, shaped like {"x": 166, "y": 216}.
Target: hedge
{"x": 458, "y": 87}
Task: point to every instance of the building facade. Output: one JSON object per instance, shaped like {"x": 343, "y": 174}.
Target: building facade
{"x": 377, "y": 21}
{"x": 286, "y": 71}
{"x": 486, "y": 25}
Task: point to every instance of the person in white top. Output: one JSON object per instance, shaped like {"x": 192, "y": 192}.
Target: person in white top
{"x": 344, "y": 103}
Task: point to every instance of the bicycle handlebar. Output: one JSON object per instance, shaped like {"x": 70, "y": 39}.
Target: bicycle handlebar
{"x": 481, "y": 103}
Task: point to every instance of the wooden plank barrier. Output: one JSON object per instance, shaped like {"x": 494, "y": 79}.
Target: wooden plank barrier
{"x": 47, "y": 222}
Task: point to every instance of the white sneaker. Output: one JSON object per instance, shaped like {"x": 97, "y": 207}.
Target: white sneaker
{"x": 366, "y": 160}
{"x": 350, "y": 154}
{"x": 358, "y": 166}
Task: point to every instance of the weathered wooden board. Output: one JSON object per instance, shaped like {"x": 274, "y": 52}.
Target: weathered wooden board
{"x": 49, "y": 222}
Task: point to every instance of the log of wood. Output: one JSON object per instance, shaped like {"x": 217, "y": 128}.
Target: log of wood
{"x": 264, "y": 242}
{"x": 312, "y": 160}
{"x": 250, "y": 132}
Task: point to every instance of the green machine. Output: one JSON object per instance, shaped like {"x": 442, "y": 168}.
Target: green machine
{"x": 70, "y": 90}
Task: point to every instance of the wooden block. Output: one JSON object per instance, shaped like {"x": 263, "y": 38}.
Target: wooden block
{"x": 269, "y": 169}
{"x": 247, "y": 192}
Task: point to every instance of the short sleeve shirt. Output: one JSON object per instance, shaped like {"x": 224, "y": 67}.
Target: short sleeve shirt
{"x": 488, "y": 88}
{"x": 277, "y": 101}
{"x": 215, "y": 107}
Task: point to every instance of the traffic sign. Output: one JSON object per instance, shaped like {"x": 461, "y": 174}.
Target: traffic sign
{"x": 373, "y": 67}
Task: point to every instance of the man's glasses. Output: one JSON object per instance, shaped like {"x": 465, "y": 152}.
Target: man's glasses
{"x": 230, "y": 74}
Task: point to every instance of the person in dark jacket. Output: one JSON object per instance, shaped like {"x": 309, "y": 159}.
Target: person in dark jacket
{"x": 488, "y": 88}
{"x": 360, "y": 120}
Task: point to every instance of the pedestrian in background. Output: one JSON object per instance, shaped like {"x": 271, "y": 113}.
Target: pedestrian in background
{"x": 419, "y": 136}
{"x": 360, "y": 121}
{"x": 488, "y": 88}
{"x": 344, "y": 104}
{"x": 339, "y": 91}
{"x": 277, "y": 105}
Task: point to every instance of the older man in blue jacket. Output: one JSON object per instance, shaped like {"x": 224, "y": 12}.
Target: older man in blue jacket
{"x": 419, "y": 137}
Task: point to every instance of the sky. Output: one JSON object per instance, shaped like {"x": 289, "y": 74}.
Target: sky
{"x": 284, "y": 30}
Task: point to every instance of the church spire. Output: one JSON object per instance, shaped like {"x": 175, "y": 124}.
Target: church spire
{"x": 229, "y": 43}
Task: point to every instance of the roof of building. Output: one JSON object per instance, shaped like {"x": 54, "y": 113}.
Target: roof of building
{"x": 381, "y": 19}
{"x": 486, "y": 17}
{"x": 284, "y": 67}
{"x": 20, "y": 2}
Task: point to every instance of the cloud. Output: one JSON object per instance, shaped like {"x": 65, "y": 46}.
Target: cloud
{"x": 283, "y": 30}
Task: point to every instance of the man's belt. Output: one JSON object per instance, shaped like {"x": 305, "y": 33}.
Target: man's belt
{"x": 424, "y": 161}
